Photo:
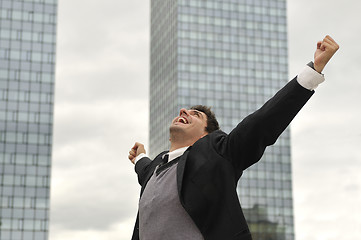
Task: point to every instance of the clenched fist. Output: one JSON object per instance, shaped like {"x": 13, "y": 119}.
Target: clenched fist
{"x": 324, "y": 52}
{"x": 137, "y": 149}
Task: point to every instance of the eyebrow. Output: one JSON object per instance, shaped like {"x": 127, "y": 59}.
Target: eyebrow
{"x": 199, "y": 112}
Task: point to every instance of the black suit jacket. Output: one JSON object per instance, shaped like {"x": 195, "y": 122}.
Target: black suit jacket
{"x": 208, "y": 172}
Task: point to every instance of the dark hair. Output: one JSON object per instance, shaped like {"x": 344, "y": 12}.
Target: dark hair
{"x": 212, "y": 123}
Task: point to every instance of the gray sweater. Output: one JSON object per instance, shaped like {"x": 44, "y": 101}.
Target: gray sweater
{"x": 161, "y": 215}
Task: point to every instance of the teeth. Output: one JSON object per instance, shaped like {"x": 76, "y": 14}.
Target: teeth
{"x": 182, "y": 120}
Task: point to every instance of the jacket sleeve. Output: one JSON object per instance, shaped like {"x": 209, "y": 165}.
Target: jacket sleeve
{"x": 246, "y": 143}
{"x": 142, "y": 168}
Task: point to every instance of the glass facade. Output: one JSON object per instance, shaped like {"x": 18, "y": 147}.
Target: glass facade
{"x": 27, "y": 62}
{"x": 231, "y": 55}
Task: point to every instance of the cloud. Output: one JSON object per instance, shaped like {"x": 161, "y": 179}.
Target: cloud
{"x": 93, "y": 182}
{"x": 326, "y": 134}
{"x": 108, "y": 122}
{"x": 120, "y": 230}
{"x": 101, "y": 109}
{"x": 101, "y": 49}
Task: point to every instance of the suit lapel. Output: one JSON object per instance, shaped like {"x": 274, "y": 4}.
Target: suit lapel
{"x": 180, "y": 170}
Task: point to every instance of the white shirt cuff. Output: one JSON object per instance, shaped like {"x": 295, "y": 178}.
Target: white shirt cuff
{"x": 310, "y": 78}
{"x": 142, "y": 155}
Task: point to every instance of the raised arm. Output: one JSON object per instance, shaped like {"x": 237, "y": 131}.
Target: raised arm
{"x": 245, "y": 145}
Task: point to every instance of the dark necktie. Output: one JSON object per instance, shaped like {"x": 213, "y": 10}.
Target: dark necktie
{"x": 163, "y": 165}
{"x": 165, "y": 159}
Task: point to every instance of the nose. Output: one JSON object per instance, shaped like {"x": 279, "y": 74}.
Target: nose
{"x": 183, "y": 111}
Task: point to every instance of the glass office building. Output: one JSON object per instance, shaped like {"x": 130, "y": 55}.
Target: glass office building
{"x": 231, "y": 55}
{"x": 27, "y": 62}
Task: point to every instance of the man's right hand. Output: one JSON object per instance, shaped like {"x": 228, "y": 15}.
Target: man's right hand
{"x": 137, "y": 149}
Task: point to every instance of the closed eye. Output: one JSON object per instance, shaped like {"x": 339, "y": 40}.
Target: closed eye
{"x": 196, "y": 113}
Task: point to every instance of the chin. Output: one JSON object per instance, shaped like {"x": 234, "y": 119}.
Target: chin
{"x": 175, "y": 128}
{"x": 177, "y": 131}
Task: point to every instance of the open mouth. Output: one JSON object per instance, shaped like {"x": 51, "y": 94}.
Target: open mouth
{"x": 182, "y": 120}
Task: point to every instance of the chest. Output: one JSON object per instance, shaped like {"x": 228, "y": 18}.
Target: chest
{"x": 161, "y": 188}
{"x": 161, "y": 214}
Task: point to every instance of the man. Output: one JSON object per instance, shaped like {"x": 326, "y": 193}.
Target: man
{"x": 190, "y": 191}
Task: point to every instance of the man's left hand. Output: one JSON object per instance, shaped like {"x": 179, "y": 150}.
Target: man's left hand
{"x": 324, "y": 52}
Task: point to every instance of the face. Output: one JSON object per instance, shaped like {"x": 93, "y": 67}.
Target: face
{"x": 190, "y": 124}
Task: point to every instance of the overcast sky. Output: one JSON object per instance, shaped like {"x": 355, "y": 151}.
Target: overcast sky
{"x": 101, "y": 109}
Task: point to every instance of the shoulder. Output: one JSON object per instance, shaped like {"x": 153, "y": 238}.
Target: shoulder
{"x": 145, "y": 164}
{"x": 210, "y": 138}
{"x": 210, "y": 144}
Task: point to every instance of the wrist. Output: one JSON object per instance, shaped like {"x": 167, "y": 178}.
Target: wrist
{"x": 315, "y": 67}
{"x": 140, "y": 156}
{"x": 318, "y": 67}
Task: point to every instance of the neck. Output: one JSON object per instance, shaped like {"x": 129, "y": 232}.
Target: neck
{"x": 175, "y": 146}
{"x": 179, "y": 140}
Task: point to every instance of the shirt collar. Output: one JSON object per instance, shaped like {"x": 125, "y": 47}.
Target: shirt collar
{"x": 176, "y": 153}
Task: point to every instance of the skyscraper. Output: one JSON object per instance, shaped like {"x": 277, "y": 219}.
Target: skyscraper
{"x": 231, "y": 55}
{"x": 27, "y": 62}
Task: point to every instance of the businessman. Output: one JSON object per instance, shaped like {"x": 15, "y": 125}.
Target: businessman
{"x": 189, "y": 192}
